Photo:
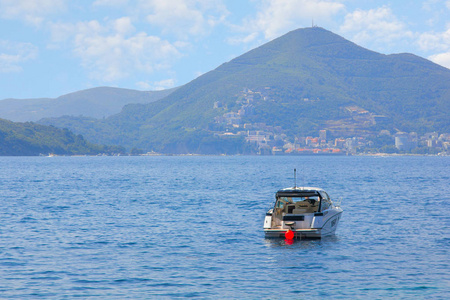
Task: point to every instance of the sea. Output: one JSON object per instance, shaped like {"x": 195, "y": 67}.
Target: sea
{"x": 192, "y": 227}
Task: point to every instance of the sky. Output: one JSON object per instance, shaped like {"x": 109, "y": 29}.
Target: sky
{"x": 49, "y": 48}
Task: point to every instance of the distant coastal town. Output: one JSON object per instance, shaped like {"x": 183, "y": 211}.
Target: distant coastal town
{"x": 274, "y": 140}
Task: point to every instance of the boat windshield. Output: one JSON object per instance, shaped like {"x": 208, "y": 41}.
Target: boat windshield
{"x": 297, "y": 205}
{"x": 291, "y": 200}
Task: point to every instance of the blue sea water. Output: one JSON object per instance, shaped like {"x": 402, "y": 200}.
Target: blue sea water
{"x": 191, "y": 226}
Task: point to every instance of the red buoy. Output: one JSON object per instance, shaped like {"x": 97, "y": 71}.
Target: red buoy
{"x": 289, "y": 234}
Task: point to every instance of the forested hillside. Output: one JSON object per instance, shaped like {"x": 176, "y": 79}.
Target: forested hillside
{"x": 34, "y": 139}
{"x": 305, "y": 81}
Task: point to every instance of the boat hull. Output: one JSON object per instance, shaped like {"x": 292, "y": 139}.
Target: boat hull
{"x": 329, "y": 228}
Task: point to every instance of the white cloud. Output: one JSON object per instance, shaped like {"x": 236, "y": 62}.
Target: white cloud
{"x": 114, "y": 50}
{"x": 164, "y": 84}
{"x": 143, "y": 85}
{"x": 32, "y": 11}
{"x": 184, "y": 18}
{"x": 442, "y": 59}
{"x": 435, "y": 5}
{"x": 60, "y": 32}
{"x": 110, "y": 2}
{"x": 435, "y": 41}
{"x": 157, "y": 85}
{"x": 377, "y": 26}
{"x": 123, "y": 26}
{"x": 244, "y": 39}
{"x": 13, "y": 54}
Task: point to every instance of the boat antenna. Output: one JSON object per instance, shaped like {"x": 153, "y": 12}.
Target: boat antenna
{"x": 295, "y": 178}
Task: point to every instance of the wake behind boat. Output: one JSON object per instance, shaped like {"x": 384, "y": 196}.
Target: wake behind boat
{"x": 306, "y": 211}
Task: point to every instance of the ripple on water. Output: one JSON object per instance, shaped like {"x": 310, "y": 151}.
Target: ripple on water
{"x": 179, "y": 227}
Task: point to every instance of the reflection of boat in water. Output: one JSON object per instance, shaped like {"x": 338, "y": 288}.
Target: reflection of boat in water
{"x": 307, "y": 211}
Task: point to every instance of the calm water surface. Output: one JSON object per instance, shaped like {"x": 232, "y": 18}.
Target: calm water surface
{"x": 169, "y": 227}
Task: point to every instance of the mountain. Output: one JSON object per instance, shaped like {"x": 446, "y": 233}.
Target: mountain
{"x": 307, "y": 80}
{"x": 34, "y": 139}
{"x": 96, "y": 103}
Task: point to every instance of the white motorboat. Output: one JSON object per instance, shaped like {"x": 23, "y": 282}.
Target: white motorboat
{"x": 306, "y": 211}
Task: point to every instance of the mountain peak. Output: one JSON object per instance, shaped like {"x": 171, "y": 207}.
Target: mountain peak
{"x": 307, "y": 80}
{"x": 306, "y": 44}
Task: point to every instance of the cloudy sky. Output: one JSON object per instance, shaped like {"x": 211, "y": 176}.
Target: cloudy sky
{"x": 52, "y": 47}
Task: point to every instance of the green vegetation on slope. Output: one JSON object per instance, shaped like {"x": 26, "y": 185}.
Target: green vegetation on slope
{"x": 309, "y": 77}
{"x": 34, "y": 139}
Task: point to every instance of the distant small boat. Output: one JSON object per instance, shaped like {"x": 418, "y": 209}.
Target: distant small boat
{"x": 306, "y": 211}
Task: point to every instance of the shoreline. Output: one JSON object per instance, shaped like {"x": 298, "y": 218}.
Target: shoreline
{"x": 267, "y": 155}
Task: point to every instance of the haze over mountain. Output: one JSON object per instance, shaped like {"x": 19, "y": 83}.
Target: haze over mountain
{"x": 95, "y": 102}
{"x": 307, "y": 80}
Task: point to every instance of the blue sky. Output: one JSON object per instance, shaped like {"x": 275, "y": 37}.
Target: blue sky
{"x": 53, "y": 47}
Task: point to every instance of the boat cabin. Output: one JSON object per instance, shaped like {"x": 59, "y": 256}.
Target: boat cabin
{"x": 295, "y": 201}
{"x": 306, "y": 211}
